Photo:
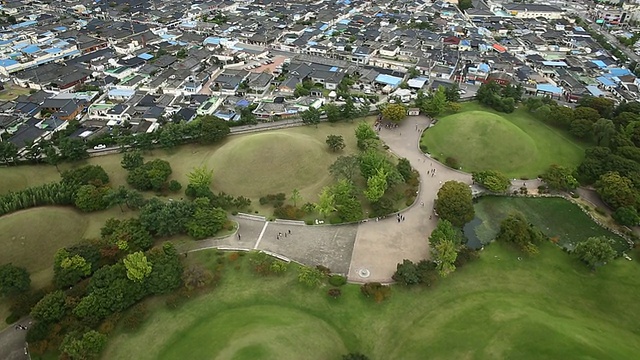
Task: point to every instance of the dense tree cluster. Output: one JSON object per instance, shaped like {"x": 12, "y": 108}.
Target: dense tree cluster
{"x": 13, "y": 280}
{"x": 152, "y": 175}
{"x": 595, "y": 251}
{"x": 613, "y": 163}
{"x": 516, "y": 230}
{"x": 493, "y": 181}
{"x": 498, "y": 97}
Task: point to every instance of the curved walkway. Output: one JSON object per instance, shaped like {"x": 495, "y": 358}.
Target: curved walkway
{"x": 381, "y": 245}
{"x": 368, "y": 251}
{"x": 365, "y": 252}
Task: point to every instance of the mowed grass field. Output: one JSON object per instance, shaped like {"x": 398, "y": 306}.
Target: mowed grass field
{"x": 516, "y": 144}
{"x": 556, "y": 217}
{"x": 498, "y": 307}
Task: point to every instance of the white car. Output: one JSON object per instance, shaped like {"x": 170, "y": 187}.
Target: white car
{"x": 100, "y": 147}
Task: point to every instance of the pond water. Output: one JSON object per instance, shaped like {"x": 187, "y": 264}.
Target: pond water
{"x": 469, "y": 231}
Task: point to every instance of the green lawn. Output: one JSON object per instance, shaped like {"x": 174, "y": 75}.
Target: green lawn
{"x": 546, "y": 307}
{"x": 31, "y": 237}
{"x": 11, "y": 92}
{"x": 556, "y": 217}
{"x": 515, "y": 144}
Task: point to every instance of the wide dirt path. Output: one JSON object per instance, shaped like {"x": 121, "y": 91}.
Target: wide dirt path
{"x": 380, "y": 245}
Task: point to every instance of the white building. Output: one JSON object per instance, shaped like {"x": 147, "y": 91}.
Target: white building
{"x": 532, "y": 11}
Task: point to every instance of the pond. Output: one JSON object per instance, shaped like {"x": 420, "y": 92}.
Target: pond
{"x": 469, "y": 231}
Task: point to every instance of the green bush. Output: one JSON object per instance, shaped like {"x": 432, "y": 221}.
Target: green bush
{"x": 12, "y": 318}
{"x": 575, "y": 195}
{"x": 452, "y": 162}
{"x": 601, "y": 211}
{"x": 424, "y": 148}
{"x": 337, "y": 280}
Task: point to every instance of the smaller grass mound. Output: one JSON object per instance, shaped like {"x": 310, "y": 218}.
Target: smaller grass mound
{"x": 31, "y": 237}
{"x": 270, "y": 162}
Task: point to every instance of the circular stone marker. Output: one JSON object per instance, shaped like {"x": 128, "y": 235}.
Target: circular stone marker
{"x": 364, "y": 273}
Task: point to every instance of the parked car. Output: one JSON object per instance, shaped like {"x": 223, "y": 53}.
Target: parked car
{"x": 100, "y": 147}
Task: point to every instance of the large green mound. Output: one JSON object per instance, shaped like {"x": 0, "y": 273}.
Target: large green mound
{"x": 481, "y": 140}
{"x": 515, "y": 144}
{"x": 256, "y": 332}
{"x": 31, "y": 237}
{"x": 502, "y": 306}
{"x": 269, "y": 162}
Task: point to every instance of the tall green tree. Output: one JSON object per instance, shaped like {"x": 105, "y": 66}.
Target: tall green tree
{"x": 8, "y": 152}
{"x": 200, "y": 176}
{"x": 335, "y": 142}
{"x": 212, "y": 129}
{"x": 50, "y": 308}
{"x": 83, "y": 347}
{"x": 617, "y": 191}
{"x": 73, "y": 149}
{"x": 603, "y": 131}
{"x": 376, "y": 185}
{"x": 595, "y": 251}
{"x": 51, "y": 155}
{"x": 326, "y": 202}
{"x": 345, "y": 167}
{"x": 455, "y": 203}
{"x": 206, "y": 220}
{"x": 333, "y": 112}
{"x": 559, "y": 178}
{"x": 394, "y": 112}
{"x": 137, "y": 265}
{"x": 444, "y": 255}
{"x": 295, "y": 197}
{"x": 132, "y": 159}
{"x": 436, "y": 103}
{"x": 452, "y": 92}
{"x": 492, "y": 180}
{"x": 13, "y": 279}
{"x": 310, "y": 116}
{"x": 515, "y": 229}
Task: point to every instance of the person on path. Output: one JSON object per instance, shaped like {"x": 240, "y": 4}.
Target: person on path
{"x": 239, "y": 237}
{"x": 289, "y": 231}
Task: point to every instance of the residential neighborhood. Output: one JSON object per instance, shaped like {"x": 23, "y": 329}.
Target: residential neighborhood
{"x": 140, "y": 64}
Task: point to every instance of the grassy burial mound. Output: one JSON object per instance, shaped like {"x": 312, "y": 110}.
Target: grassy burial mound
{"x": 515, "y": 144}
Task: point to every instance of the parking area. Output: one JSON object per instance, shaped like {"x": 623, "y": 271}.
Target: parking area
{"x": 330, "y": 246}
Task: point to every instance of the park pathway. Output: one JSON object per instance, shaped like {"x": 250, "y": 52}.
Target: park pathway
{"x": 368, "y": 251}
{"x": 382, "y": 244}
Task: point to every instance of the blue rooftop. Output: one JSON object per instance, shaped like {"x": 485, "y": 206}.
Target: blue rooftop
{"x": 334, "y": 69}
{"x": 30, "y": 49}
{"x": 145, "y": 56}
{"x": 548, "y": 88}
{"x": 52, "y": 50}
{"x": 324, "y": 27}
{"x": 344, "y": 21}
{"x": 388, "y": 80}
{"x": 7, "y": 62}
{"x": 23, "y": 24}
{"x": 599, "y": 63}
{"x": 619, "y": 72}
{"x": 212, "y": 41}
{"x": 606, "y": 82}
{"x": 594, "y": 90}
